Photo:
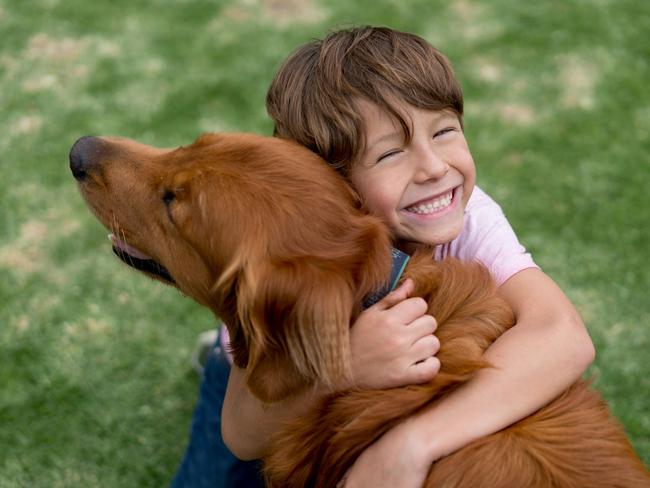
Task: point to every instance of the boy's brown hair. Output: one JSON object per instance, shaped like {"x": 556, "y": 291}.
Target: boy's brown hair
{"x": 312, "y": 98}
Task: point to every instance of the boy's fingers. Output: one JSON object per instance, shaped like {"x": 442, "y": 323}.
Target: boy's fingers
{"x": 423, "y": 325}
{"x": 409, "y": 310}
{"x": 425, "y": 370}
{"x": 397, "y": 295}
{"x": 426, "y": 347}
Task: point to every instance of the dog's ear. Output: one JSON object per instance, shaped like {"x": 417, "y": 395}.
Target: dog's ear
{"x": 298, "y": 315}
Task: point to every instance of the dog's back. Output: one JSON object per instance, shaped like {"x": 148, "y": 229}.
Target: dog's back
{"x": 572, "y": 442}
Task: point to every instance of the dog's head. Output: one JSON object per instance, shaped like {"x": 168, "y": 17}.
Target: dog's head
{"x": 258, "y": 229}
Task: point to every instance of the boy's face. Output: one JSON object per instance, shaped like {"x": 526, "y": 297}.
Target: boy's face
{"x": 420, "y": 188}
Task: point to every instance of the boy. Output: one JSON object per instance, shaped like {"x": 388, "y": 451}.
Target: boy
{"x": 384, "y": 108}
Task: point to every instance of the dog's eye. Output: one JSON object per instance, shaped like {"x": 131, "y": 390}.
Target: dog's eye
{"x": 168, "y": 197}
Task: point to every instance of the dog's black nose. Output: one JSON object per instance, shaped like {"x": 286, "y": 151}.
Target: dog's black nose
{"x": 83, "y": 155}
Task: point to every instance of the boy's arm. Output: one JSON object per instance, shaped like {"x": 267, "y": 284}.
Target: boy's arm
{"x": 545, "y": 352}
{"x": 247, "y": 423}
{"x": 391, "y": 343}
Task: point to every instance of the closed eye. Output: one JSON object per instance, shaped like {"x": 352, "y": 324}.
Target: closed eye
{"x": 444, "y": 131}
{"x": 168, "y": 197}
{"x": 388, "y": 154}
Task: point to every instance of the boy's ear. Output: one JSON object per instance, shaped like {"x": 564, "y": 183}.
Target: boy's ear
{"x": 297, "y": 313}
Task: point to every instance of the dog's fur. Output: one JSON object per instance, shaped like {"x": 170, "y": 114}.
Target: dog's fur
{"x": 276, "y": 244}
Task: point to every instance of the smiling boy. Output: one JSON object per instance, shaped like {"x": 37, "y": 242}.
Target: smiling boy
{"x": 384, "y": 108}
{"x": 421, "y": 187}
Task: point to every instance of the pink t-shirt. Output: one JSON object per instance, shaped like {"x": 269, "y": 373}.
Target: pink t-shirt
{"x": 486, "y": 237}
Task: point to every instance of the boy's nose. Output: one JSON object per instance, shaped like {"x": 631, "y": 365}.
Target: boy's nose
{"x": 431, "y": 166}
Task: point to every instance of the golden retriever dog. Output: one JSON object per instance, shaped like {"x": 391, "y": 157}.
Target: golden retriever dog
{"x": 276, "y": 244}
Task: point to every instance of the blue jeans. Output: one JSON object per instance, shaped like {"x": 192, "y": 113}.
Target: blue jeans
{"x": 207, "y": 461}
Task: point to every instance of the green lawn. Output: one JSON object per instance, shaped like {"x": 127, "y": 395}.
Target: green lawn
{"x": 95, "y": 384}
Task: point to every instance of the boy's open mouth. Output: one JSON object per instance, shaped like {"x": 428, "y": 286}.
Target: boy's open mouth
{"x": 433, "y": 205}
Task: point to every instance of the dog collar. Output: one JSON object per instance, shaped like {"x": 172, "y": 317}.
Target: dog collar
{"x": 400, "y": 259}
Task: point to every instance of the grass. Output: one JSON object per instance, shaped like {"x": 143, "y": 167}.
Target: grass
{"x": 95, "y": 385}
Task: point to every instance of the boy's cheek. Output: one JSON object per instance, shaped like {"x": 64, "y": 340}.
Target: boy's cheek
{"x": 468, "y": 188}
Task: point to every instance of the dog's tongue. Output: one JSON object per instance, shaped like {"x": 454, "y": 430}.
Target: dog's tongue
{"x": 124, "y": 247}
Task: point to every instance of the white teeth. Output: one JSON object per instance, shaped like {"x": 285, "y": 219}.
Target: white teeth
{"x": 432, "y": 206}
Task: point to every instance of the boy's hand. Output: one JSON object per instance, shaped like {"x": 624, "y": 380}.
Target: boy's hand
{"x": 396, "y": 459}
{"x": 392, "y": 342}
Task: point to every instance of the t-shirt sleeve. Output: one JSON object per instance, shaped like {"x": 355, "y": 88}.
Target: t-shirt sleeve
{"x": 487, "y": 237}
